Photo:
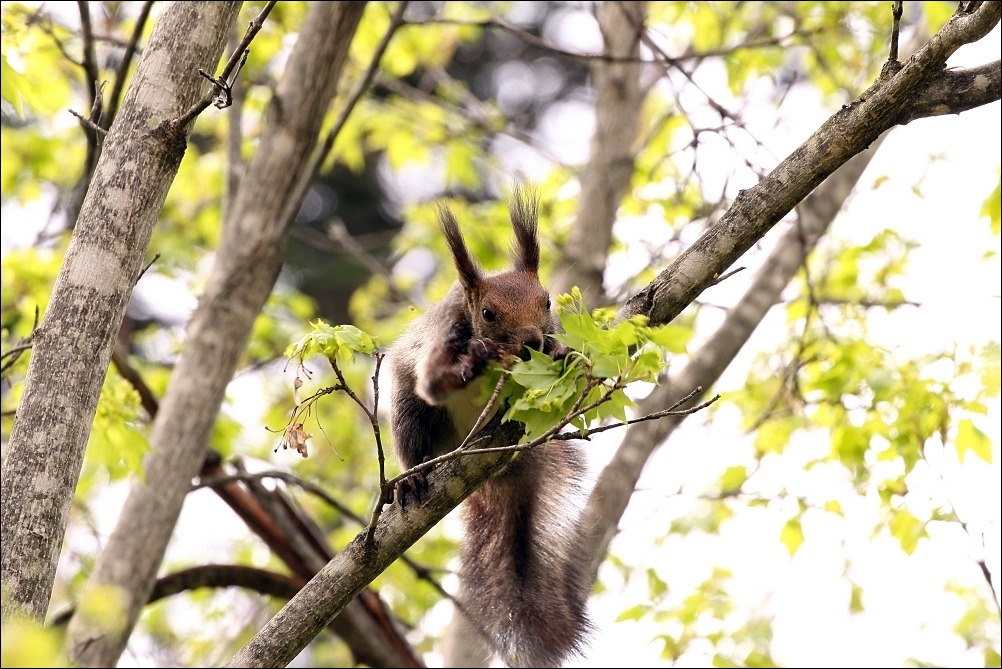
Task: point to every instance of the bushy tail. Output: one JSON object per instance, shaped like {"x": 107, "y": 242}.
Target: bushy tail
{"x": 525, "y": 577}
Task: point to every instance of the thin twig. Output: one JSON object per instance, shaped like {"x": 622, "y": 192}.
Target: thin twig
{"x": 93, "y": 125}
{"x": 224, "y": 98}
{"x": 156, "y": 256}
{"x": 373, "y": 420}
{"x": 536, "y": 41}
{"x": 237, "y": 59}
{"x": 21, "y": 346}
{"x": 421, "y": 571}
{"x": 554, "y": 435}
{"x": 488, "y": 411}
{"x": 123, "y": 66}
{"x": 982, "y": 566}
{"x": 338, "y": 232}
{"x": 345, "y": 388}
{"x": 657, "y": 415}
{"x": 89, "y": 124}
{"x": 897, "y": 9}
{"x": 89, "y": 60}
{"x": 288, "y": 477}
{"x": 726, "y": 275}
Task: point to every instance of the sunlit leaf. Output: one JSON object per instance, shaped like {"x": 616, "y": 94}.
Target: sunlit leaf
{"x": 907, "y": 529}
{"x": 792, "y": 535}
{"x": 972, "y": 440}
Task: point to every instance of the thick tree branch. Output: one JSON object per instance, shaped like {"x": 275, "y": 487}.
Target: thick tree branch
{"x": 225, "y": 576}
{"x": 955, "y": 91}
{"x": 756, "y": 210}
{"x": 214, "y": 576}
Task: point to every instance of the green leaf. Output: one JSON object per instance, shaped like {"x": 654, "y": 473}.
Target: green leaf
{"x": 29, "y": 644}
{"x": 792, "y": 535}
{"x": 992, "y": 207}
{"x": 673, "y": 338}
{"x": 773, "y": 436}
{"x": 856, "y": 599}
{"x": 539, "y": 372}
{"x": 117, "y": 440}
{"x": 655, "y": 586}
{"x": 332, "y": 341}
{"x": 732, "y": 479}
{"x": 636, "y": 612}
{"x": 907, "y": 529}
{"x": 673, "y": 649}
{"x": 849, "y": 444}
{"x": 13, "y": 86}
{"x": 971, "y": 439}
{"x": 991, "y": 372}
{"x": 892, "y": 487}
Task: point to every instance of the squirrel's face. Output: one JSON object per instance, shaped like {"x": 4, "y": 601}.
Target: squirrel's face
{"x": 512, "y": 309}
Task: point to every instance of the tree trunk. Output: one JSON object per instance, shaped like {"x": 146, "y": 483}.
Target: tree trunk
{"x": 619, "y": 101}
{"x": 73, "y": 344}
{"x": 247, "y": 263}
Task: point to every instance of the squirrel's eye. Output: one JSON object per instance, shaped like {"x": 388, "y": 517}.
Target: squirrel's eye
{"x": 547, "y": 302}
{"x": 488, "y": 315}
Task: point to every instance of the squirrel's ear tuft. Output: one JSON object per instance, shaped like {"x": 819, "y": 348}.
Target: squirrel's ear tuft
{"x": 469, "y": 272}
{"x": 524, "y": 211}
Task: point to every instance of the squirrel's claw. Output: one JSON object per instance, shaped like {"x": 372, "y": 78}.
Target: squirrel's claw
{"x": 415, "y": 485}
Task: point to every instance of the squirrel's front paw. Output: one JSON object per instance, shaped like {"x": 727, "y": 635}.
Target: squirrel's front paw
{"x": 555, "y": 349}
{"x": 483, "y": 349}
{"x": 479, "y": 352}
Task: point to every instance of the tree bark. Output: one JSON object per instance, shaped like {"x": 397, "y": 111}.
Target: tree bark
{"x": 247, "y": 263}
{"x": 74, "y": 342}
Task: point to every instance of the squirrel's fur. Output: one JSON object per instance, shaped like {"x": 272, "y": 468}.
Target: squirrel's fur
{"x": 525, "y": 582}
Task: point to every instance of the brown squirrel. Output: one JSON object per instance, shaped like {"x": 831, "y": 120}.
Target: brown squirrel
{"x": 525, "y": 583}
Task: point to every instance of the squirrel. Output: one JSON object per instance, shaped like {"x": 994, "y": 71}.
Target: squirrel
{"x": 525, "y": 583}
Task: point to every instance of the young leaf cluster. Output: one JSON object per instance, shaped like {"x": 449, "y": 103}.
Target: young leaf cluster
{"x": 339, "y": 342}
{"x": 588, "y": 385}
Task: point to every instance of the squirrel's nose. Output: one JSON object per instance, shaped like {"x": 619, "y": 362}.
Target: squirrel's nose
{"x": 531, "y": 338}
